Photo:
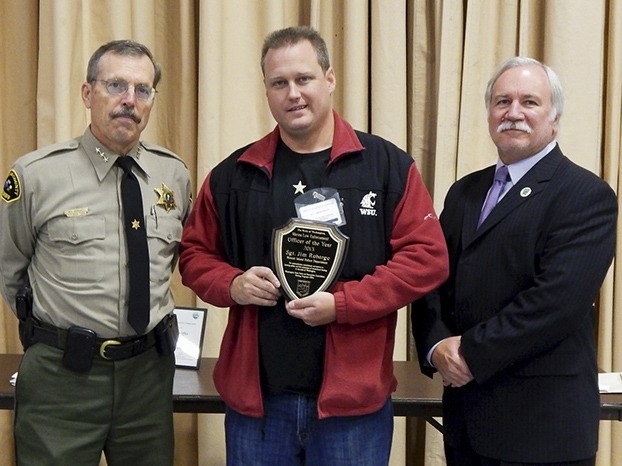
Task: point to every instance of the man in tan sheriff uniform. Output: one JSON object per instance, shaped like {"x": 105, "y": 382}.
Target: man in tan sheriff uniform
{"x": 88, "y": 382}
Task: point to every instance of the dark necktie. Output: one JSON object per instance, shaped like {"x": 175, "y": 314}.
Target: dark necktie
{"x": 137, "y": 250}
{"x": 502, "y": 176}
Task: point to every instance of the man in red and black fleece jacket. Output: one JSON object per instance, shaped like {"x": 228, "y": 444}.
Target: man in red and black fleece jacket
{"x": 309, "y": 380}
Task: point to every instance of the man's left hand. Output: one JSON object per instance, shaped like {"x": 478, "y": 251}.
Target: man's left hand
{"x": 314, "y": 310}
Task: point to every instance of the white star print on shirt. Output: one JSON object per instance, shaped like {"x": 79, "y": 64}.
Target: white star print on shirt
{"x": 300, "y": 188}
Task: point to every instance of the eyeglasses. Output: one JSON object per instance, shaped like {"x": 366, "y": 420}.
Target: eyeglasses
{"x": 120, "y": 87}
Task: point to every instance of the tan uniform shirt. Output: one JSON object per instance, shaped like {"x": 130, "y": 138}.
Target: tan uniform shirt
{"x": 61, "y": 221}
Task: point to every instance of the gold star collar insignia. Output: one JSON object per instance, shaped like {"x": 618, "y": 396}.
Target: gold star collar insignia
{"x": 167, "y": 197}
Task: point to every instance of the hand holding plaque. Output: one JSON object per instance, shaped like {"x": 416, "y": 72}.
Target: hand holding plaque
{"x": 308, "y": 254}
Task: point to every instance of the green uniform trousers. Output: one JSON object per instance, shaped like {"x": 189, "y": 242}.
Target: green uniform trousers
{"x": 123, "y": 408}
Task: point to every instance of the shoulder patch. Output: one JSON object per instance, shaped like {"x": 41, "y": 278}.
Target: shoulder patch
{"x": 12, "y": 188}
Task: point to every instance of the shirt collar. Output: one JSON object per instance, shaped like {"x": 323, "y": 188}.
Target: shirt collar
{"x": 518, "y": 169}
{"x": 103, "y": 158}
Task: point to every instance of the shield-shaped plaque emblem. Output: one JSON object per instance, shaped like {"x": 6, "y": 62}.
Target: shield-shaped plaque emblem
{"x": 307, "y": 256}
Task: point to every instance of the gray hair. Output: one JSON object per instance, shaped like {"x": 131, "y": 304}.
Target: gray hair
{"x": 557, "y": 93}
{"x": 121, "y": 47}
{"x": 293, "y": 35}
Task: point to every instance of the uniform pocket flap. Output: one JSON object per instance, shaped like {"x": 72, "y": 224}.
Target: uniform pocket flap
{"x": 76, "y": 230}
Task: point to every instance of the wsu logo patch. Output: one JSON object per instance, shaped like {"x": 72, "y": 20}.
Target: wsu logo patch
{"x": 368, "y": 203}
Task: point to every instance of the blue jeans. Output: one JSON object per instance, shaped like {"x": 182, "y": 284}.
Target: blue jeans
{"x": 291, "y": 434}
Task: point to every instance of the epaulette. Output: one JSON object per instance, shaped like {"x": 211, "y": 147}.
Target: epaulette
{"x": 57, "y": 148}
{"x": 12, "y": 190}
{"x": 72, "y": 144}
{"x": 161, "y": 150}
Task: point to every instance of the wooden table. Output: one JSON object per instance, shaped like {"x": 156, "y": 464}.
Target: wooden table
{"x": 194, "y": 392}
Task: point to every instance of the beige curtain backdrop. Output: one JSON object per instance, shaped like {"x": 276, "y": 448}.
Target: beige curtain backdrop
{"x": 413, "y": 71}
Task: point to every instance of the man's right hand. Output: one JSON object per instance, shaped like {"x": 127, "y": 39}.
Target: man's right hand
{"x": 450, "y": 363}
{"x": 258, "y": 286}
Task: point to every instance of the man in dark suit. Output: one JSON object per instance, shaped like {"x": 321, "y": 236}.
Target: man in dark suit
{"x": 512, "y": 330}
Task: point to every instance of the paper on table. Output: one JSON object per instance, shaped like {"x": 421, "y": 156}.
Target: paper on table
{"x": 13, "y": 379}
{"x": 610, "y": 382}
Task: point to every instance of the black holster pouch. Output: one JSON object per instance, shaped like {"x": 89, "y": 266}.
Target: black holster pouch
{"x": 80, "y": 348}
{"x": 166, "y": 334}
{"x": 23, "y": 306}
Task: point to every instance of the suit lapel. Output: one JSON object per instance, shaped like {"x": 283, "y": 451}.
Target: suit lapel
{"x": 473, "y": 204}
{"x": 526, "y": 190}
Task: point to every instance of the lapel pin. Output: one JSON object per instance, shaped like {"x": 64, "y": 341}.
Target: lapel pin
{"x": 525, "y": 192}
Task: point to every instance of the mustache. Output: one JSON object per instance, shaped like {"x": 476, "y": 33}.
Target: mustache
{"x": 125, "y": 112}
{"x": 517, "y": 125}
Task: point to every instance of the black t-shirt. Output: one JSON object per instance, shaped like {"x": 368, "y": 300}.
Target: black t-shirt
{"x": 291, "y": 352}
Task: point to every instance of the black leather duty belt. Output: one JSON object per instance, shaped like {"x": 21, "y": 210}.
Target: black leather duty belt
{"x": 108, "y": 349}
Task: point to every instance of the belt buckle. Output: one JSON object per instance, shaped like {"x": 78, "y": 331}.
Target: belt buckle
{"x": 106, "y": 344}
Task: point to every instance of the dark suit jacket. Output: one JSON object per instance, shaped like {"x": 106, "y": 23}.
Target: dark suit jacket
{"x": 521, "y": 292}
